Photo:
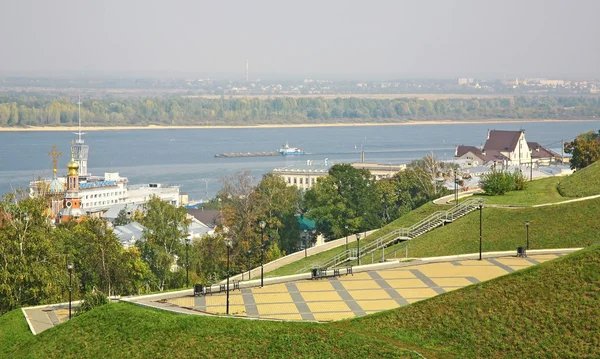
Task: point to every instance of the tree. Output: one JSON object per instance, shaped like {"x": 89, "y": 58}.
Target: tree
{"x": 348, "y": 196}
{"x": 584, "y": 150}
{"x": 122, "y": 218}
{"x": 162, "y": 241}
{"x": 32, "y": 271}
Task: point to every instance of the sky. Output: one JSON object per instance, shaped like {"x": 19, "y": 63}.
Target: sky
{"x": 338, "y": 38}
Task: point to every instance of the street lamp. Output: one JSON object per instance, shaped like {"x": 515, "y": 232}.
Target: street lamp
{"x": 228, "y": 244}
{"x": 262, "y": 225}
{"x": 358, "y": 241}
{"x": 187, "y": 263}
{"x": 480, "y": 227}
{"x": 346, "y": 227}
{"x": 305, "y": 246}
{"x": 527, "y": 230}
{"x": 70, "y": 268}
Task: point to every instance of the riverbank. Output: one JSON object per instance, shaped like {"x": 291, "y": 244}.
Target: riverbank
{"x": 304, "y": 125}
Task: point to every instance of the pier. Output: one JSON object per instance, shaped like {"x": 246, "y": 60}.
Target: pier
{"x": 247, "y": 154}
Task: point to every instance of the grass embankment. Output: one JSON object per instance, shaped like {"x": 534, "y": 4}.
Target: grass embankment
{"x": 404, "y": 221}
{"x": 539, "y": 191}
{"x": 582, "y": 183}
{"x": 546, "y": 311}
{"x": 560, "y": 226}
{"x": 14, "y": 332}
{"x": 550, "y": 310}
{"x": 125, "y": 330}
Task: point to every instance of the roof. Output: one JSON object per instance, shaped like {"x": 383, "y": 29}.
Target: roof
{"x": 463, "y": 150}
{"x": 538, "y": 151}
{"x": 113, "y": 211}
{"x": 207, "y": 216}
{"x": 129, "y": 233}
{"x": 502, "y": 140}
{"x": 306, "y": 223}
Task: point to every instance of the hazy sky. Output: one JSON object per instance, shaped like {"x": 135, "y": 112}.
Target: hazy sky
{"x": 406, "y": 38}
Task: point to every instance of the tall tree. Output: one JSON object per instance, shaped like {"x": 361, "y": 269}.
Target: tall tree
{"x": 584, "y": 149}
{"x": 162, "y": 241}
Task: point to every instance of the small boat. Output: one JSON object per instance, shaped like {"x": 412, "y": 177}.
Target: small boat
{"x": 287, "y": 150}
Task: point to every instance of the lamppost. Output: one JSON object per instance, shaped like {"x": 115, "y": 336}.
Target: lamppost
{"x": 480, "y": 227}
{"x": 70, "y": 268}
{"x": 305, "y": 245}
{"x": 228, "y": 244}
{"x": 346, "y": 227}
{"x": 262, "y": 225}
{"x": 187, "y": 263}
{"x": 527, "y": 231}
{"x": 358, "y": 241}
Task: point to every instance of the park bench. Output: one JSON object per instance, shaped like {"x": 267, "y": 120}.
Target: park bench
{"x": 318, "y": 273}
{"x": 200, "y": 289}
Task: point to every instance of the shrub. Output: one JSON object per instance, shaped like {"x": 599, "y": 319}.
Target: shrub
{"x": 498, "y": 182}
{"x": 91, "y": 301}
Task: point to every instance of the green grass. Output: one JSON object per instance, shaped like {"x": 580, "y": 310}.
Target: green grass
{"x": 537, "y": 192}
{"x": 404, "y": 221}
{"x": 125, "y": 330}
{"x": 550, "y": 310}
{"x": 14, "y": 332}
{"x": 582, "y": 183}
{"x": 558, "y": 226}
{"x": 546, "y": 311}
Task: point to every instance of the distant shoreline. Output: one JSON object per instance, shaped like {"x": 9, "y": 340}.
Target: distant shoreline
{"x": 365, "y": 124}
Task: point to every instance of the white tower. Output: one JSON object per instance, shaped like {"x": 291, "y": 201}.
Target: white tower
{"x": 246, "y": 70}
{"x": 79, "y": 149}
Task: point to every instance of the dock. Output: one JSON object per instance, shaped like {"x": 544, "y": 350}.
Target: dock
{"x": 247, "y": 154}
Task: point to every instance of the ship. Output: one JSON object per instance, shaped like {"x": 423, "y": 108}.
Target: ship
{"x": 287, "y": 150}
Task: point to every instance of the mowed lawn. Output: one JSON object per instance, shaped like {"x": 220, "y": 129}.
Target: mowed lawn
{"x": 546, "y": 311}
{"x": 569, "y": 225}
{"x": 582, "y": 183}
{"x": 538, "y": 191}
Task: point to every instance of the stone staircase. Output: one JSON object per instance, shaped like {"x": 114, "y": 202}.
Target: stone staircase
{"x": 429, "y": 223}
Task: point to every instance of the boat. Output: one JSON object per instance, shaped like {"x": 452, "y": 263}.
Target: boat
{"x": 287, "y": 150}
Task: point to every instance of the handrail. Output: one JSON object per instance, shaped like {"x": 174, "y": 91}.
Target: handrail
{"x": 428, "y": 223}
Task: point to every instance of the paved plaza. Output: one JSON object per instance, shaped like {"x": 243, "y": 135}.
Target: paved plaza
{"x": 356, "y": 295}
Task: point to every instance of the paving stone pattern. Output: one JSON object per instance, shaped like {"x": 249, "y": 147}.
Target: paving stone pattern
{"x": 359, "y": 294}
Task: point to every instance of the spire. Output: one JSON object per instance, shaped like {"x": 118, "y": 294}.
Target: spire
{"x": 79, "y": 133}
{"x": 55, "y": 155}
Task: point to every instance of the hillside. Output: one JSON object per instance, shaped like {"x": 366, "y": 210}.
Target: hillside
{"x": 546, "y": 311}
{"x": 125, "y": 330}
{"x": 569, "y": 225}
{"x": 582, "y": 183}
{"x": 550, "y": 310}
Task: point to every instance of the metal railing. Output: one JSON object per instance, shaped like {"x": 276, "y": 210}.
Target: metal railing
{"x": 430, "y": 222}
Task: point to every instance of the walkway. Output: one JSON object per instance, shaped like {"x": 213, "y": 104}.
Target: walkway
{"x": 355, "y": 295}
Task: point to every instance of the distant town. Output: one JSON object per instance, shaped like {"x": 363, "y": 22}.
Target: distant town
{"x": 206, "y": 86}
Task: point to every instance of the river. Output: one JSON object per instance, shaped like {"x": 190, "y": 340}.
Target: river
{"x": 185, "y": 157}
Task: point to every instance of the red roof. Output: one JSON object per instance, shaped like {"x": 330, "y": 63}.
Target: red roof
{"x": 502, "y": 140}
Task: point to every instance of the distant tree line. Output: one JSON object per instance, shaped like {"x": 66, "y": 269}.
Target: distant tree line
{"x": 39, "y": 110}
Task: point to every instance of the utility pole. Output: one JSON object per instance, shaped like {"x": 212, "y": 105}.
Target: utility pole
{"x": 562, "y": 151}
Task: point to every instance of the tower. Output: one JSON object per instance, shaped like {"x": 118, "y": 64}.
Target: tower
{"x": 55, "y": 191}
{"x": 246, "y": 70}
{"x": 79, "y": 149}
{"x": 71, "y": 204}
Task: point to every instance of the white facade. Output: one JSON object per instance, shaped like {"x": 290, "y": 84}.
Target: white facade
{"x": 301, "y": 179}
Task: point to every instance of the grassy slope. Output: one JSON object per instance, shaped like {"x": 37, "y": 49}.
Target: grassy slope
{"x": 537, "y": 192}
{"x": 550, "y": 310}
{"x": 128, "y": 331}
{"x": 582, "y": 183}
{"x": 14, "y": 332}
{"x": 559, "y": 226}
{"x": 404, "y": 221}
{"x": 546, "y": 311}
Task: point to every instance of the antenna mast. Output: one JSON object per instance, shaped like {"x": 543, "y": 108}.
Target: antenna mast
{"x": 79, "y": 133}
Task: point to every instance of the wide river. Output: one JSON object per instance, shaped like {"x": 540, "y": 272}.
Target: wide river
{"x": 185, "y": 157}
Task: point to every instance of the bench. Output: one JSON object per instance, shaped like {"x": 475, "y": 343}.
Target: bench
{"x": 200, "y": 289}
{"x": 318, "y": 273}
